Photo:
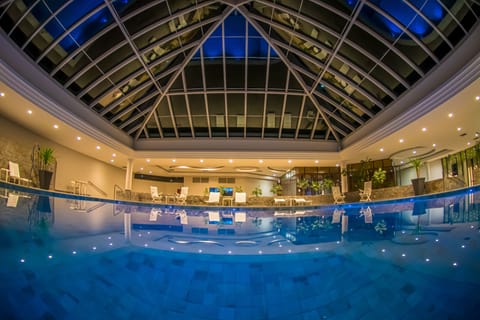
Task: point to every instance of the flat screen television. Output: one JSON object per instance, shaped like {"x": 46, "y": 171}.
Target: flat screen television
{"x": 228, "y": 192}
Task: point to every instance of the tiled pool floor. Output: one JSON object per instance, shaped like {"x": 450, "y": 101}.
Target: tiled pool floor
{"x": 143, "y": 283}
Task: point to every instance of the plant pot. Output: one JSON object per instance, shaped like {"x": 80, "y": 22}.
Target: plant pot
{"x": 45, "y": 177}
{"x": 418, "y": 186}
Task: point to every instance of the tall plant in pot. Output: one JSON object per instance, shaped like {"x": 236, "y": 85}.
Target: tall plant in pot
{"x": 45, "y": 173}
{"x": 419, "y": 182}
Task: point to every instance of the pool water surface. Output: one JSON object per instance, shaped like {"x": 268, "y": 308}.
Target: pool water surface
{"x": 66, "y": 257}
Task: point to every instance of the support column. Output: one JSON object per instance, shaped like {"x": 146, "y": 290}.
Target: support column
{"x": 127, "y": 226}
{"x": 129, "y": 175}
{"x": 344, "y": 178}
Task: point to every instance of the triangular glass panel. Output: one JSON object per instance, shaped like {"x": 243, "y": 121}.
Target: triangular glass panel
{"x": 239, "y": 35}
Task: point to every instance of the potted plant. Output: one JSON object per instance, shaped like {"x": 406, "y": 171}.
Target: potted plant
{"x": 257, "y": 192}
{"x": 303, "y": 185}
{"x": 327, "y": 185}
{"x": 379, "y": 177}
{"x": 316, "y": 186}
{"x": 47, "y": 160}
{"x": 419, "y": 182}
{"x": 276, "y": 189}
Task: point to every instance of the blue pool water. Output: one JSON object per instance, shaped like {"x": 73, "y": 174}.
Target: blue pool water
{"x": 79, "y": 258}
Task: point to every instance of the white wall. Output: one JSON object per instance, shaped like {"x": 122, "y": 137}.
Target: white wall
{"x": 16, "y": 144}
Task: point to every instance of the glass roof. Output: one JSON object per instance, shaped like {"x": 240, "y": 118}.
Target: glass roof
{"x": 312, "y": 70}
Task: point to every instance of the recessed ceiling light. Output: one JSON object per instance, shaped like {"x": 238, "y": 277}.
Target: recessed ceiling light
{"x": 289, "y": 161}
{"x": 468, "y": 143}
{"x": 337, "y": 164}
{"x": 434, "y": 145}
{"x": 150, "y": 171}
{"x": 231, "y": 161}
{"x": 414, "y": 151}
{"x": 424, "y": 129}
{"x": 141, "y": 169}
{"x": 114, "y": 155}
{"x": 381, "y": 149}
{"x": 450, "y": 115}
{"x": 476, "y": 98}
{"x": 98, "y": 147}
{"x": 79, "y": 138}
{"x": 148, "y": 160}
{"x": 29, "y": 111}
{"x": 2, "y": 94}
{"x": 316, "y": 161}
{"x": 111, "y": 160}
{"x": 55, "y": 126}
{"x": 459, "y": 129}
{"x": 401, "y": 162}
{"x": 201, "y": 160}
{"x": 261, "y": 161}
{"x": 174, "y": 160}
{"x": 401, "y": 140}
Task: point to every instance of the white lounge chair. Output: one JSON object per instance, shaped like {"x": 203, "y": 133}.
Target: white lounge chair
{"x": 155, "y": 195}
{"x": 13, "y": 174}
{"x": 279, "y": 201}
{"x": 367, "y": 214}
{"x": 240, "y": 217}
{"x": 338, "y": 197}
{"x": 366, "y": 192}
{"x": 181, "y": 197}
{"x": 213, "y": 198}
{"x": 213, "y": 216}
{"x": 183, "y": 217}
{"x": 337, "y": 215}
{"x": 153, "y": 215}
{"x": 301, "y": 201}
{"x": 240, "y": 198}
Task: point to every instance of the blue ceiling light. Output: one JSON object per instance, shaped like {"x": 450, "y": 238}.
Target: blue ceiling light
{"x": 408, "y": 17}
{"x": 405, "y": 15}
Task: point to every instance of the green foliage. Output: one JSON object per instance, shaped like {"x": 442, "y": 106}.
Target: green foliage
{"x": 316, "y": 186}
{"x": 379, "y": 177}
{"x": 238, "y": 189}
{"x": 327, "y": 184}
{"x": 276, "y": 189}
{"x": 257, "y": 192}
{"x": 46, "y": 157}
{"x": 221, "y": 189}
{"x": 416, "y": 163}
{"x": 303, "y": 184}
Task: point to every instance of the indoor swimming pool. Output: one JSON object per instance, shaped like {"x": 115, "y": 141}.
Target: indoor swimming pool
{"x": 65, "y": 257}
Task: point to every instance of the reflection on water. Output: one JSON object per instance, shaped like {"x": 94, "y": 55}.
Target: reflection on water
{"x": 59, "y": 218}
{"x": 65, "y": 257}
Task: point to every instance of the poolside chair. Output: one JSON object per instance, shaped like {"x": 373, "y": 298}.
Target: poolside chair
{"x": 213, "y": 198}
{"x": 240, "y": 217}
{"x": 181, "y": 197}
{"x": 12, "y": 200}
{"x": 366, "y": 192}
{"x": 367, "y": 214}
{"x": 153, "y": 215}
{"x": 14, "y": 174}
{"x": 240, "y": 198}
{"x": 155, "y": 195}
{"x": 213, "y": 217}
{"x": 279, "y": 201}
{"x": 301, "y": 201}
{"x": 183, "y": 217}
{"x": 338, "y": 197}
{"x": 337, "y": 215}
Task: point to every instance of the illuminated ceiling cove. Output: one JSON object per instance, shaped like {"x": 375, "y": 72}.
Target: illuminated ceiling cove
{"x": 285, "y": 70}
